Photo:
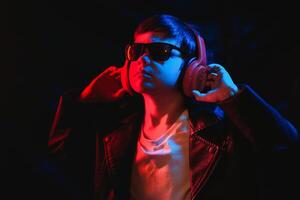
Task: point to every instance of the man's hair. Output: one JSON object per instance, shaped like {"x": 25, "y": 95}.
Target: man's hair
{"x": 170, "y": 27}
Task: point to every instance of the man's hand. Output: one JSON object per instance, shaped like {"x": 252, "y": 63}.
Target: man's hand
{"x": 220, "y": 85}
{"x": 105, "y": 87}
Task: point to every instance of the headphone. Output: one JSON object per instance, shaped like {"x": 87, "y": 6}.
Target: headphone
{"x": 194, "y": 76}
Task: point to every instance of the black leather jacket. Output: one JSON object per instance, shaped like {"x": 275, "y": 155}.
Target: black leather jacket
{"x": 228, "y": 144}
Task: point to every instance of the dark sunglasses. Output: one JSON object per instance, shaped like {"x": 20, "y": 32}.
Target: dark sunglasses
{"x": 158, "y": 51}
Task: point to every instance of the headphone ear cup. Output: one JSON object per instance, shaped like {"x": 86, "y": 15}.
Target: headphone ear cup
{"x": 195, "y": 77}
{"x": 196, "y": 71}
{"x": 125, "y": 78}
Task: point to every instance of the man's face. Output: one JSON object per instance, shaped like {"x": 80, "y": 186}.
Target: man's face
{"x": 153, "y": 70}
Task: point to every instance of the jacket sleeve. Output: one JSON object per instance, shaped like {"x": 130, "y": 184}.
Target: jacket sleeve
{"x": 259, "y": 122}
{"x": 75, "y": 141}
{"x": 76, "y": 119}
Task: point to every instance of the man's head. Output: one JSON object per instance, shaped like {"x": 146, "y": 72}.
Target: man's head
{"x": 162, "y": 46}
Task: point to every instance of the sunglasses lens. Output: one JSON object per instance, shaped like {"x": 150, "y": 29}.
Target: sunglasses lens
{"x": 157, "y": 51}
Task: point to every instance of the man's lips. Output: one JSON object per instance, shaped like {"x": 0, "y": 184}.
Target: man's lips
{"x": 147, "y": 73}
{"x": 144, "y": 74}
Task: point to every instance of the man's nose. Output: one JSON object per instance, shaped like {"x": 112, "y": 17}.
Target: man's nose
{"x": 145, "y": 58}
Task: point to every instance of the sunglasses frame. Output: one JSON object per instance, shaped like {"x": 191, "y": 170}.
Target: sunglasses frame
{"x": 147, "y": 46}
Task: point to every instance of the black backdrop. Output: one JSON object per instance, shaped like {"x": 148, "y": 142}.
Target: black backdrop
{"x": 54, "y": 46}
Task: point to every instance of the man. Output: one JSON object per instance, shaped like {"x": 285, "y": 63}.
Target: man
{"x": 186, "y": 131}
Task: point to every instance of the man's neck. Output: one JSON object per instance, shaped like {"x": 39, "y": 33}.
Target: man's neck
{"x": 161, "y": 112}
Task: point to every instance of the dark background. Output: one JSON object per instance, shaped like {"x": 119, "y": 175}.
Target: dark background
{"x": 54, "y": 46}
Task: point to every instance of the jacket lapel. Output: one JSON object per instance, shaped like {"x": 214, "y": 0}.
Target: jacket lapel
{"x": 120, "y": 149}
{"x": 205, "y": 141}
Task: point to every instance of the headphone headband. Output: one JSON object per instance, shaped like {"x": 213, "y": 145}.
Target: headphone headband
{"x": 201, "y": 50}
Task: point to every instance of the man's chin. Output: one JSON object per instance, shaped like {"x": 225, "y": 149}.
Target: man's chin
{"x": 144, "y": 89}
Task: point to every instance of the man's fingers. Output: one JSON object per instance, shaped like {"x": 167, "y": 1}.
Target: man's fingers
{"x": 198, "y": 95}
{"x": 212, "y": 76}
{"x": 116, "y": 71}
{"x": 110, "y": 69}
{"x": 215, "y": 66}
{"x": 205, "y": 97}
{"x": 119, "y": 93}
{"x": 213, "y": 79}
{"x": 107, "y": 71}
